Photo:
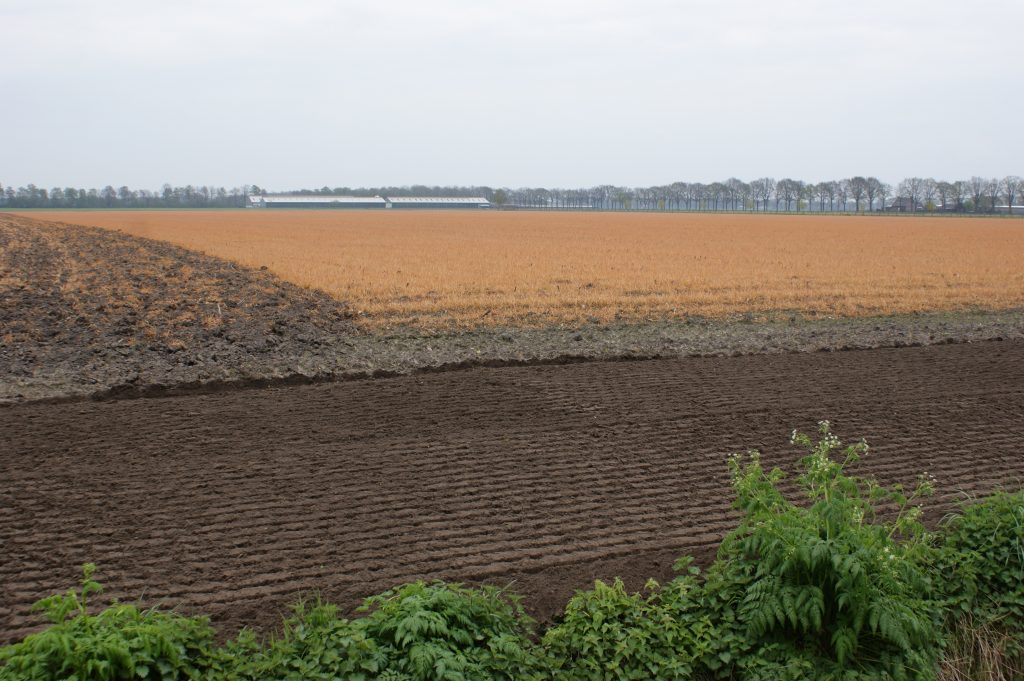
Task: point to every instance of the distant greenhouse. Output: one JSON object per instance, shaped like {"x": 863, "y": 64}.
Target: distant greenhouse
{"x": 324, "y": 201}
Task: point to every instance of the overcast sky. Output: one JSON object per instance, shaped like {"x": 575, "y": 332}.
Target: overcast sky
{"x": 556, "y": 93}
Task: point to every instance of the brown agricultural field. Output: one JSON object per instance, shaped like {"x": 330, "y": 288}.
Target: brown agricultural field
{"x": 434, "y": 270}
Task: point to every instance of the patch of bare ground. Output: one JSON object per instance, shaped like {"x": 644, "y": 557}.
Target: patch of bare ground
{"x": 86, "y": 310}
{"x": 543, "y": 478}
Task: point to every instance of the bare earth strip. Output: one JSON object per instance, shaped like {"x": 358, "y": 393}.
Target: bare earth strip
{"x": 546, "y": 477}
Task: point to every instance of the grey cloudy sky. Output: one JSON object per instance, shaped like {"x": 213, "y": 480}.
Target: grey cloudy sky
{"x": 558, "y": 93}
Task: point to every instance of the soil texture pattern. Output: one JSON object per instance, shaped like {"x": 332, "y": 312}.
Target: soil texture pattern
{"x": 85, "y": 310}
{"x": 544, "y": 478}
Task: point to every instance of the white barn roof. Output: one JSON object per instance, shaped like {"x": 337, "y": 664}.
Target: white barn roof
{"x": 298, "y": 200}
{"x": 474, "y": 200}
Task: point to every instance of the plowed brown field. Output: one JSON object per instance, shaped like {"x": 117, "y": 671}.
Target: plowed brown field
{"x": 441, "y": 269}
{"x": 544, "y": 477}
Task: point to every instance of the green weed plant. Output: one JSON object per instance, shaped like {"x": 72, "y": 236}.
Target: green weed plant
{"x": 980, "y": 570}
{"x": 121, "y": 642}
{"x": 609, "y": 634}
{"x": 450, "y": 633}
{"x": 827, "y": 589}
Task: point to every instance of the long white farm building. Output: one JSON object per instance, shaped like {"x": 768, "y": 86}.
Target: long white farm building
{"x": 437, "y": 202}
{"x": 397, "y": 202}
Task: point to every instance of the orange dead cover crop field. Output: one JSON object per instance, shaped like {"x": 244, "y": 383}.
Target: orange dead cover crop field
{"x": 437, "y": 270}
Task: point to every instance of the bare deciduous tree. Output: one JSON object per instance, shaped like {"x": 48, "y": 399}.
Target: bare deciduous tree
{"x": 822, "y": 191}
{"x": 763, "y": 189}
{"x": 843, "y": 194}
{"x": 944, "y": 190}
{"x": 992, "y": 192}
{"x": 858, "y": 189}
{"x": 911, "y": 188}
{"x": 928, "y": 193}
{"x": 976, "y": 189}
{"x": 957, "y": 194}
{"x": 1011, "y": 188}
{"x": 873, "y": 189}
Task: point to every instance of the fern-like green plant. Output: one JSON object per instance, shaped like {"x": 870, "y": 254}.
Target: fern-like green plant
{"x": 827, "y": 589}
{"x": 446, "y": 632}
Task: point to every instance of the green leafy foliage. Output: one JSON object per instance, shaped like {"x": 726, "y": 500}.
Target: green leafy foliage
{"x": 121, "y": 642}
{"x": 610, "y": 634}
{"x": 417, "y": 631}
{"x": 824, "y": 590}
{"x": 315, "y": 645}
{"x": 448, "y": 632}
{"x": 981, "y": 568}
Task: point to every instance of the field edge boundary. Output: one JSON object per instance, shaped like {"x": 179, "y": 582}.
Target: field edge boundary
{"x": 131, "y": 391}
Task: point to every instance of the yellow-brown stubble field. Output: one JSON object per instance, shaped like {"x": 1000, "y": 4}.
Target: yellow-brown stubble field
{"x": 446, "y": 269}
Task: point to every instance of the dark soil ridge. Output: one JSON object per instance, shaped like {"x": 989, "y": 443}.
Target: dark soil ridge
{"x": 135, "y": 391}
{"x": 157, "y": 391}
{"x": 391, "y": 357}
{"x": 89, "y": 313}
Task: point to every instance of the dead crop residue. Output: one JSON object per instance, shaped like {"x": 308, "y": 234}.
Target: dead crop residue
{"x": 443, "y": 270}
{"x": 86, "y": 309}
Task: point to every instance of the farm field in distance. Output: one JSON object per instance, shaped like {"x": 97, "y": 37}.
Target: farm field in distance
{"x": 447, "y": 269}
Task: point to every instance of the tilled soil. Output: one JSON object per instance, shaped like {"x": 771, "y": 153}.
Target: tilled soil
{"x": 543, "y": 477}
{"x": 86, "y": 312}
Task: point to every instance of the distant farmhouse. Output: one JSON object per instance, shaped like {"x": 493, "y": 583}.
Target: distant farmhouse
{"x": 397, "y": 202}
{"x": 903, "y": 204}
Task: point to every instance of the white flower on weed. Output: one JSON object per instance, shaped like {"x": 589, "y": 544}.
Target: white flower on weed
{"x": 820, "y": 463}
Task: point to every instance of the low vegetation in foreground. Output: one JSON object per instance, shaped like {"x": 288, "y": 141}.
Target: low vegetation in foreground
{"x": 843, "y": 583}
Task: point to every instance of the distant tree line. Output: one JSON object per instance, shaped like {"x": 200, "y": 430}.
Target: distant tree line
{"x": 189, "y": 196}
{"x": 855, "y": 194}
